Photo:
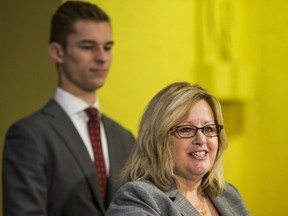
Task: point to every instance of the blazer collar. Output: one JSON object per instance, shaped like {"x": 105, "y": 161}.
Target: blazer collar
{"x": 183, "y": 205}
{"x": 221, "y": 204}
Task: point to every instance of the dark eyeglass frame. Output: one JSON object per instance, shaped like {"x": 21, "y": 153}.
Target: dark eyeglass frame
{"x": 176, "y": 133}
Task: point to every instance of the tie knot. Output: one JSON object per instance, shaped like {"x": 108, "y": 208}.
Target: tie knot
{"x": 92, "y": 113}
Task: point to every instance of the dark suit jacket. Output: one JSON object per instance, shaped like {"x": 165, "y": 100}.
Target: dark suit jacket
{"x": 144, "y": 198}
{"x": 47, "y": 169}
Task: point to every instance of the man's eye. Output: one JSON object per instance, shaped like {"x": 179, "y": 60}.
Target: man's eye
{"x": 107, "y": 48}
{"x": 87, "y": 47}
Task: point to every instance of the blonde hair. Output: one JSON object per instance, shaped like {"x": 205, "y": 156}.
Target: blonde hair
{"x": 151, "y": 158}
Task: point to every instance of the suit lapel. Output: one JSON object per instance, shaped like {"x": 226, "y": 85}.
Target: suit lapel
{"x": 64, "y": 127}
{"x": 114, "y": 154}
{"x": 186, "y": 209}
{"x": 182, "y": 204}
{"x": 222, "y": 206}
{"x": 119, "y": 146}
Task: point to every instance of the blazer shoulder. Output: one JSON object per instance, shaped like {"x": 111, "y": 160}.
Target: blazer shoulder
{"x": 141, "y": 198}
{"x": 232, "y": 191}
{"x": 142, "y": 187}
{"x": 231, "y": 202}
{"x": 115, "y": 128}
{"x": 111, "y": 122}
{"x": 38, "y": 116}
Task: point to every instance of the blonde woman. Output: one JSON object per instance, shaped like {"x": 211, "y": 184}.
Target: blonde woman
{"x": 175, "y": 168}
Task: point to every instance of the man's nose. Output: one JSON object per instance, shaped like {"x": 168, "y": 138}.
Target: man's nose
{"x": 100, "y": 54}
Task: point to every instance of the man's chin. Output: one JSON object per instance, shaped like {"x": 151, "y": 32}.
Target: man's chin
{"x": 94, "y": 88}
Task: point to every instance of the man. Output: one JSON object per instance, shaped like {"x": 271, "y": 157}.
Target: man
{"x": 49, "y": 164}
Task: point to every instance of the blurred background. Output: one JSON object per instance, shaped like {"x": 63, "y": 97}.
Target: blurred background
{"x": 236, "y": 49}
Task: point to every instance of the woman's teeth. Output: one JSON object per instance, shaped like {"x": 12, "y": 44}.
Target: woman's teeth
{"x": 199, "y": 154}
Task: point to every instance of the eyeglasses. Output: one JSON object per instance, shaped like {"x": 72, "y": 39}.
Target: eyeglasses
{"x": 189, "y": 131}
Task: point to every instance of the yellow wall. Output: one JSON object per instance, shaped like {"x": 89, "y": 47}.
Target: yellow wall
{"x": 162, "y": 41}
{"x": 153, "y": 41}
{"x": 266, "y": 171}
{"x": 158, "y": 42}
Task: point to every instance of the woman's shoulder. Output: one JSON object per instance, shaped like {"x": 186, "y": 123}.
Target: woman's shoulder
{"x": 141, "y": 187}
{"x": 141, "y": 198}
{"x": 230, "y": 202}
{"x": 231, "y": 191}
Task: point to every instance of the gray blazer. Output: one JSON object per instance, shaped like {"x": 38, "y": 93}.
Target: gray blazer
{"x": 47, "y": 169}
{"x": 143, "y": 198}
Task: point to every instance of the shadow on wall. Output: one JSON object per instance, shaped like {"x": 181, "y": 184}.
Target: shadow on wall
{"x": 28, "y": 77}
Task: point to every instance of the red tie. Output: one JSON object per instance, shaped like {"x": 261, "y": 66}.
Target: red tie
{"x": 94, "y": 133}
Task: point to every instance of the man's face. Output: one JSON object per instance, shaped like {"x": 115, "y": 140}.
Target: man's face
{"x": 87, "y": 57}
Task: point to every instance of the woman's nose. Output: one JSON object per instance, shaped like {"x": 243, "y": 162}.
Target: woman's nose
{"x": 199, "y": 138}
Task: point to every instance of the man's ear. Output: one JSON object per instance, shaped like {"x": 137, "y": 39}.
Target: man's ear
{"x": 56, "y": 52}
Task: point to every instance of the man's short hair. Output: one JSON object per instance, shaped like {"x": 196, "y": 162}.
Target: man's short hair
{"x": 64, "y": 19}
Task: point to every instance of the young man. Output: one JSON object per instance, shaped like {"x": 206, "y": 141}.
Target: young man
{"x": 50, "y": 162}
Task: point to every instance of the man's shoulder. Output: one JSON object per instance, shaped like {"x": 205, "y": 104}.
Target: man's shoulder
{"x": 36, "y": 118}
{"x": 112, "y": 124}
{"x": 108, "y": 120}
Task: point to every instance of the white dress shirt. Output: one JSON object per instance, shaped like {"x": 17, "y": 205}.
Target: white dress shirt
{"x": 75, "y": 108}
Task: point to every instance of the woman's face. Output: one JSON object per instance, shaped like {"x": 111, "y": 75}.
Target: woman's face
{"x": 194, "y": 157}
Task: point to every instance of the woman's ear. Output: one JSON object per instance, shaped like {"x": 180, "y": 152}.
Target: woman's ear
{"x": 56, "y": 52}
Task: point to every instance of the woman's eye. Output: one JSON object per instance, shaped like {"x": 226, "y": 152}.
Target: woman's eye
{"x": 209, "y": 129}
{"x": 185, "y": 130}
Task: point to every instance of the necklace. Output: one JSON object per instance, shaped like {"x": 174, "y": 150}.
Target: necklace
{"x": 202, "y": 211}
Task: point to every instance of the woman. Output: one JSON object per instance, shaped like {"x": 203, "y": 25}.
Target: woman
{"x": 175, "y": 168}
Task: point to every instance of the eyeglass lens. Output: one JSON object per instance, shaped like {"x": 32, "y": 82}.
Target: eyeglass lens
{"x": 188, "y": 131}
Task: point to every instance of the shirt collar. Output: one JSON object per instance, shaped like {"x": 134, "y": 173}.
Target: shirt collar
{"x": 72, "y": 104}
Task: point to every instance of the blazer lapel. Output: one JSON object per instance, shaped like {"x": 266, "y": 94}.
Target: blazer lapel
{"x": 182, "y": 204}
{"x": 115, "y": 151}
{"x": 66, "y": 129}
{"x": 222, "y": 206}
